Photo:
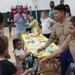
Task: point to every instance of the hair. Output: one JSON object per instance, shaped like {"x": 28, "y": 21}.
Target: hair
{"x": 1, "y": 18}
{"x": 31, "y": 18}
{"x": 15, "y": 41}
{"x": 3, "y": 44}
{"x": 73, "y": 20}
{"x": 8, "y": 14}
{"x": 52, "y": 2}
{"x": 68, "y": 9}
{"x": 45, "y": 13}
{"x": 61, "y": 7}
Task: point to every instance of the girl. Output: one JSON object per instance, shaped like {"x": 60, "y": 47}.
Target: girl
{"x": 19, "y": 54}
{"x": 6, "y": 67}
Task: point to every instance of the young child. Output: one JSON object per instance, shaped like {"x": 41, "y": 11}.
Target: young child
{"x": 19, "y": 54}
{"x": 7, "y": 68}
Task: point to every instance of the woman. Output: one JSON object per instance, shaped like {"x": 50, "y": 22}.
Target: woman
{"x": 34, "y": 25}
{"x": 9, "y": 20}
{"x": 46, "y": 24}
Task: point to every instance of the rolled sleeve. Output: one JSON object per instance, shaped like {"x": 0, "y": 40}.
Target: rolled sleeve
{"x": 65, "y": 45}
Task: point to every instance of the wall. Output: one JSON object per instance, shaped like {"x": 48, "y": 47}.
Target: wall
{"x": 71, "y": 3}
{"x": 5, "y": 5}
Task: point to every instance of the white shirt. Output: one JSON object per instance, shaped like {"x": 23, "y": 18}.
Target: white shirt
{"x": 17, "y": 53}
{"x": 46, "y": 23}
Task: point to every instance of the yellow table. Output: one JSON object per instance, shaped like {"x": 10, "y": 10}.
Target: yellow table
{"x": 39, "y": 41}
{"x": 36, "y": 42}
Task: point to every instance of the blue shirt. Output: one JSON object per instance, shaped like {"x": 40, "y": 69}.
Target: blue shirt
{"x": 20, "y": 24}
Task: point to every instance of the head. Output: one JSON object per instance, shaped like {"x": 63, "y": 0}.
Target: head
{"x": 1, "y": 21}
{"x": 19, "y": 9}
{"x": 72, "y": 26}
{"x": 31, "y": 18}
{"x": 51, "y": 4}
{"x": 8, "y": 14}
{"x": 60, "y": 12}
{"x": 17, "y": 43}
{"x": 3, "y": 45}
{"x": 68, "y": 11}
{"x": 44, "y": 14}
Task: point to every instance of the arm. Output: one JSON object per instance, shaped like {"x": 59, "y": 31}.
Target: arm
{"x": 50, "y": 40}
{"x": 16, "y": 18}
{"x": 20, "y": 57}
{"x": 32, "y": 24}
{"x": 9, "y": 20}
{"x": 24, "y": 18}
{"x": 30, "y": 70}
{"x": 64, "y": 47}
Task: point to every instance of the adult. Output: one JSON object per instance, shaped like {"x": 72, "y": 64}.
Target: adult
{"x": 68, "y": 11}
{"x": 60, "y": 31}
{"x": 9, "y": 20}
{"x": 46, "y": 24}
{"x": 51, "y": 11}
{"x": 20, "y": 19}
{"x": 34, "y": 25}
{"x": 68, "y": 43}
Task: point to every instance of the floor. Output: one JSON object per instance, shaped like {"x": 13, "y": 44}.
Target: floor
{"x": 46, "y": 67}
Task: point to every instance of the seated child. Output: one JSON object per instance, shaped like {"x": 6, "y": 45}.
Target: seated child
{"x": 7, "y": 68}
{"x": 19, "y": 54}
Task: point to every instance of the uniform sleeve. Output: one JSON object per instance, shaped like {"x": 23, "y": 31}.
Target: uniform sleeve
{"x": 11, "y": 68}
{"x": 51, "y": 38}
{"x": 65, "y": 45}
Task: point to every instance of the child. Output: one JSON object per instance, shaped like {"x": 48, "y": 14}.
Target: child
{"x": 7, "y": 68}
{"x": 19, "y": 54}
{"x": 2, "y": 29}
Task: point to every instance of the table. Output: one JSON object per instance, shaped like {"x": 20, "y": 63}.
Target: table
{"x": 33, "y": 42}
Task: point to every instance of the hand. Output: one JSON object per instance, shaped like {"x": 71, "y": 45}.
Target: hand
{"x": 43, "y": 61}
{"x": 30, "y": 70}
{"x": 40, "y": 49}
{"x": 11, "y": 20}
{"x": 28, "y": 54}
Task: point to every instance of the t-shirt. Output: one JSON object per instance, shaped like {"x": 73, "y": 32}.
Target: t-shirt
{"x": 7, "y": 67}
{"x": 51, "y": 13}
{"x": 20, "y": 24}
{"x": 10, "y": 18}
{"x": 17, "y": 53}
{"x": 46, "y": 25}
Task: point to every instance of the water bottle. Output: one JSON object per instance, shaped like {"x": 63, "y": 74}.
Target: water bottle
{"x": 30, "y": 59}
{"x": 70, "y": 69}
{"x": 35, "y": 64}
